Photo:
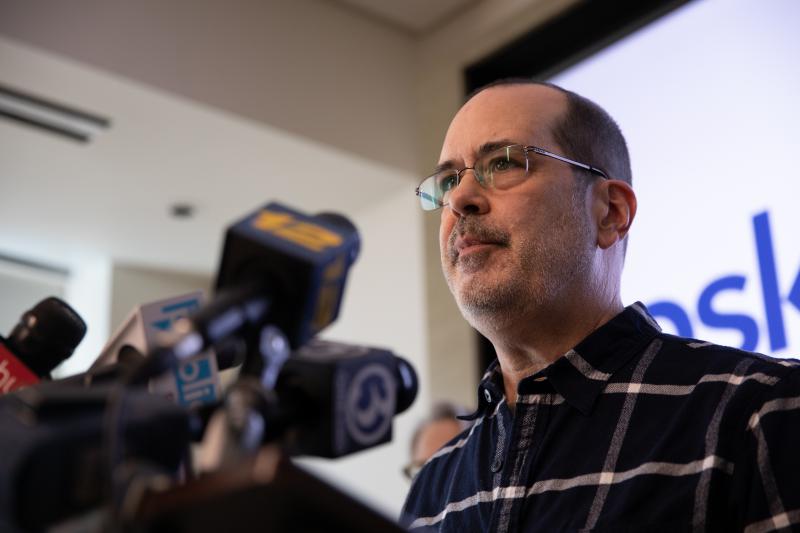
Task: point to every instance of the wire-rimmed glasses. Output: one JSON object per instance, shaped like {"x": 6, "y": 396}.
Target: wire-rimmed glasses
{"x": 498, "y": 169}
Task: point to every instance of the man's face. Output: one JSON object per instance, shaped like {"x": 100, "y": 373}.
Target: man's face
{"x": 504, "y": 251}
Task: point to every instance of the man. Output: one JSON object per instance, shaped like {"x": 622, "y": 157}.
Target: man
{"x": 591, "y": 418}
{"x": 432, "y": 433}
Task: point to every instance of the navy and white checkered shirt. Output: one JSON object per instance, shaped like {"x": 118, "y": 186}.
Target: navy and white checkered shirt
{"x": 632, "y": 430}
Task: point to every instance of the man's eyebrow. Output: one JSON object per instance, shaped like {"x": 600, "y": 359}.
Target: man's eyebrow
{"x": 485, "y": 148}
{"x": 491, "y": 146}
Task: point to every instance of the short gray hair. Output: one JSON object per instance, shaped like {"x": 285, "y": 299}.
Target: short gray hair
{"x": 586, "y": 132}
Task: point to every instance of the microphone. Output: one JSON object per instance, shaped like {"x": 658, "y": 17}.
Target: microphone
{"x": 298, "y": 263}
{"x": 52, "y": 460}
{"x": 331, "y": 399}
{"x": 193, "y": 381}
{"x": 45, "y": 336}
{"x": 341, "y": 398}
{"x": 278, "y": 267}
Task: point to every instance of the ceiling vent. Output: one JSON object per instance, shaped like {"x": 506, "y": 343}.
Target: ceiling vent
{"x": 55, "y": 118}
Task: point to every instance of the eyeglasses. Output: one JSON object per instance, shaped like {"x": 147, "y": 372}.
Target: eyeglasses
{"x": 499, "y": 169}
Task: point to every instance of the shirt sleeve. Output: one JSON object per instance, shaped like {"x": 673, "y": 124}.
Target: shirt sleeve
{"x": 772, "y": 494}
{"x": 413, "y": 504}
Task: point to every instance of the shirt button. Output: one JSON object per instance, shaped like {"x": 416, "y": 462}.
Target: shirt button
{"x": 487, "y": 395}
{"x": 497, "y": 465}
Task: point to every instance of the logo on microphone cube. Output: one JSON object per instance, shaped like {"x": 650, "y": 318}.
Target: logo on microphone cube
{"x": 370, "y": 405}
{"x": 195, "y": 382}
{"x": 162, "y": 317}
{"x": 290, "y": 227}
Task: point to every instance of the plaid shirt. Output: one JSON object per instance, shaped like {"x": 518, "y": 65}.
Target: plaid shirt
{"x": 632, "y": 430}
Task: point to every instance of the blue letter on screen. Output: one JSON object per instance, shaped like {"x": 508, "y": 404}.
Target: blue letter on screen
{"x": 769, "y": 281}
{"x": 713, "y": 319}
{"x": 675, "y": 314}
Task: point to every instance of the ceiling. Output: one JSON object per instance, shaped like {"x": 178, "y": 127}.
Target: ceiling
{"x": 415, "y": 16}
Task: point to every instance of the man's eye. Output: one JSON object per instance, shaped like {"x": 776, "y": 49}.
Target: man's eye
{"x": 447, "y": 182}
{"x": 504, "y": 164}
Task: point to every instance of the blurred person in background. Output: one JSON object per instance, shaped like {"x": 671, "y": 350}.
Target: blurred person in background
{"x": 442, "y": 426}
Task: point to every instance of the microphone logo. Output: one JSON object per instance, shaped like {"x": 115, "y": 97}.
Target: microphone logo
{"x": 6, "y": 379}
{"x": 13, "y": 373}
{"x": 195, "y": 382}
{"x": 300, "y": 232}
{"x": 370, "y": 404}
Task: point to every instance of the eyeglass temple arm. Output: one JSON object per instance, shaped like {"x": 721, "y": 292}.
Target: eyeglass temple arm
{"x": 570, "y": 161}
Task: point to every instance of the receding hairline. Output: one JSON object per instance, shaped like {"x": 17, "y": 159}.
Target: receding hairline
{"x": 583, "y": 129}
{"x": 553, "y": 108}
{"x": 529, "y": 84}
{"x": 514, "y": 82}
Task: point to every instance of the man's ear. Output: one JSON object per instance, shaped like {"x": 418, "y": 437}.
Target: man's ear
{"x": 615, "y": 204}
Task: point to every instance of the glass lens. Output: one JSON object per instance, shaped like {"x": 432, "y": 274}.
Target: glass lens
{"x": 435, "y": 190}
{"x": 503, "y": 168}
{"x": 429, "y": 197}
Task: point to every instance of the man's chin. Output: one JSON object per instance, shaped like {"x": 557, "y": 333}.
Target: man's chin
{"x": 480, "y": 295}
{"x": 468, "y": 278}
{"x": 474, "y": 262}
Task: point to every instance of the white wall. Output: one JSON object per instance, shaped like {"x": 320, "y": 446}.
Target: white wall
{"x": 21, "y": 286}
{"x": 88, "y": 291}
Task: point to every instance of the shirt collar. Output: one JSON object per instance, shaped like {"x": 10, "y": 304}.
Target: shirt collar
{"x": 581, "y": 374}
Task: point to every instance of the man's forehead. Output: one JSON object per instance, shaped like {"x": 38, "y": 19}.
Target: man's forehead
{"x": 523, "y": 113}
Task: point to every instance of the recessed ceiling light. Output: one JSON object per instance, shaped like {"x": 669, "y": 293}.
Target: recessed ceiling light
{"x": 181, "y": 210}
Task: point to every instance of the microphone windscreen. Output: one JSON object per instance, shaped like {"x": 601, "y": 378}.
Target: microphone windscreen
{"x": 47, "y": 334}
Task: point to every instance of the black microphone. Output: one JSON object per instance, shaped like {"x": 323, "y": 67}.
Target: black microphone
{"x": 228, "y": 354}
{"x": 331, "y": 399}
{"x": 299, "y": 263}
{"x": 193, "y": 382}
{"x": 278, "y": 267}
{"x": 337, "y": 399}
{"x": 44, "y": 337}
{"x": 52, "y": 463}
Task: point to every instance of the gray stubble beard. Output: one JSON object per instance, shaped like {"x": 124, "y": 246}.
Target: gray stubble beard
{"x": 537, "y": 276}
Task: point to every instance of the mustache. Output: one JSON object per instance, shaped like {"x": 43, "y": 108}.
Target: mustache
{"x": 477, "y": 229}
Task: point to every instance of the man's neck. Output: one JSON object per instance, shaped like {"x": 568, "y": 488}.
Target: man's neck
{"x": 527, "y": 346}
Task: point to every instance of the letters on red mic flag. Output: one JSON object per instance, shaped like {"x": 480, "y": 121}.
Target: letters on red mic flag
{"x": 13, "y": 374}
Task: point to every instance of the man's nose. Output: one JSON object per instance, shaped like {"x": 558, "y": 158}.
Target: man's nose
{"x": 469, "y": 197}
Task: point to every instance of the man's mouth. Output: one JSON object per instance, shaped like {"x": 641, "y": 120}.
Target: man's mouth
{"x": 471, "y": 238}
{"x": 469, "y": 244}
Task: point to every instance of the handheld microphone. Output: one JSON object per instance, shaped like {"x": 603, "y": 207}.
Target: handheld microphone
{"x": 298, "y": 262}
{"x": 278, "y": 267}
{"x": 52, "y": 461}
{"x": 331, "y": 399}
{"x": 45, "y": 336}
{"x": 193, "y": 381}
{"x": 341, "y": 398}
